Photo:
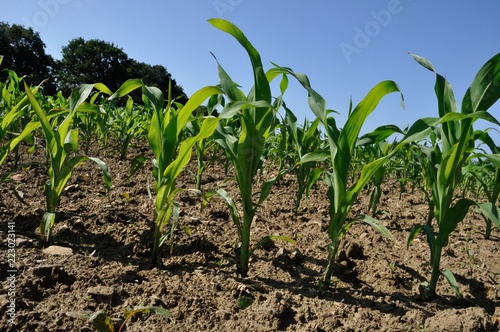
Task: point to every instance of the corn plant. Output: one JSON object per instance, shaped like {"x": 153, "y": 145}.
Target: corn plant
{"x": 102, "y": 322}
{"x": 16, "y": 116}
{"x": 453, "y": 144}
{"x": 88, "y": 123}
{"x": 488, "y": 178}
{"x": 375, "y": 146}
{"x": 341, "y": 150}
{"x": 61, "y": 144}
{"x": 304, "y": 140}
{"x": 126, "y": 124}
{"x": 171, "y": 155}
{"x": 203, "y": 147}
{"x": 256, "y": 115}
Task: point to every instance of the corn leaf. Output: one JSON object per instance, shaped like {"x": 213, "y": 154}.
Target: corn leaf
{"x": 454, "y": 215}
{"x": 452, "y": 281}
{"x": 271, "y": 238}
{"x": 126, "y": 88}
{"x": 262, "y": 89}
{"x": 376, "y": 225}
{"x": 48, "y": 220}
{"x": 414, "y": 231}
{"x": 235, "y": 215}
{"x": 185, "y": 150}
{"x": 146, "y": 310}
{"x": 102, "y": 323}
{"x": 484, "y": 91}
{"x": 491, "y": 212}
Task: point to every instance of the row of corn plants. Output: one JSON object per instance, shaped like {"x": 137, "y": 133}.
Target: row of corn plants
{"x": 249, "y": 130}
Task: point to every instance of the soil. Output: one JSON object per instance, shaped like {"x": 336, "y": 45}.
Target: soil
{"x": 104, "y": 262}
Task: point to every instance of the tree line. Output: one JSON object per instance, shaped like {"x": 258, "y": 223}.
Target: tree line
{"x": 83, "y": 61}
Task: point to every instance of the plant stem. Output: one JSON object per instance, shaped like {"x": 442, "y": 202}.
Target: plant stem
{"x": 156, "y": 243}
{"x": 332, "y": 257}
{"x": 436, "y": 272}
{"x": 245, "y": 243}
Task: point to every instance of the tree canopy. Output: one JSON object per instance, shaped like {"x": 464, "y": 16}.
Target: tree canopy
{"x": 24, "y": 52}
{"x": 90, "y": 62}
{"x": 83, "y": 61}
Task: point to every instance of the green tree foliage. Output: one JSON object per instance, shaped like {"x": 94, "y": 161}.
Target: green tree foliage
{"x": 24, "y": 53}
{"x": 90, "y": 62}
{"x": 157, "y": 76}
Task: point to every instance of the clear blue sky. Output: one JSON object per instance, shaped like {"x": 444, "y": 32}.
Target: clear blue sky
{"x": 345, "y": 47}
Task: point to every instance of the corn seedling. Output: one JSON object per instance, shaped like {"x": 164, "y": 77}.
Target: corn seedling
{"x": 15, "y": 117}
{"x": 101, "y": 321}
{"x": 304, "y": 140}
{"x": 171, "y": 155}
{"x": 453, "y": 144}
{"x": 203, "y": 147}
{"x": 127, "y": 123}
{"x": 256, "y": 117}
{"x": 87, "y": 124}
{"x": 341, "y": 150}
{"x": 61, "y": 144}
{"x": 375, "y": 146}
{"x": 490, "y": 185}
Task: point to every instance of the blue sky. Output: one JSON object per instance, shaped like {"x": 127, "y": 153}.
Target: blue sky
{"x": 345, "y": 47}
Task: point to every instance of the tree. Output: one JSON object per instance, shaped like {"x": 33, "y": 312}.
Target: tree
{"x": 158, "y": 76}
{"x": 91, "y": 61}
{"x": 24, "y": 53}
{"x": 100, "y": 61}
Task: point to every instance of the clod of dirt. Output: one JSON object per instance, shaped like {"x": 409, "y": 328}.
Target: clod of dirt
{"x": 451, "y": 320}
{"x": 355, "y": 251}
{"x": 58, "y": 251}
{"x": 293, "y": 257}
{"x": 102, "y": 294}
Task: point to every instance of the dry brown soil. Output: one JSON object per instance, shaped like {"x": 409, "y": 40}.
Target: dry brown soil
{"x": 109, "y": 268}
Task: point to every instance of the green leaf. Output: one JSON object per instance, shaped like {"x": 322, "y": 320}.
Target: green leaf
{"x": 228, "y": 85}
{"x": 154, "y": 95}
{"x": 194, "y": 101}
{"x": 46, "y": 127}
{"x": 314, "y": 176}
{"x": 266, "y": 190}
{"x": 185, "y": 150}
{"x": 244, "y": 302}
{"x": 232, "y": 108}
{"x": 376, "y": 225}
{"x": 452, "y": 281}
{"x": 71, "y": 140}
{"x": 136, "y": 164}
{"x": 414, "y": 231}
{"x": 314, "y": 156}
{"x": 262, "y": 89}
{"x": 146, "y": 310}
{"x": 484, "y": 91}
{"x": 126, "y": 88}
{"x": 378, "y": 135}
{"x": 47, "y": 222}
{"x": 454, "y": 216}
{"x": 491, "y": 212}
{"x": 104, "y": 168}
{"x": 235, "y": 215}
{"x": 423, "y": 62}
{"x": 431, "y": 237}
{"x": 350, "y": 132}
{"x": 101, "y": 321}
